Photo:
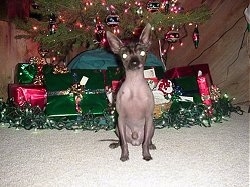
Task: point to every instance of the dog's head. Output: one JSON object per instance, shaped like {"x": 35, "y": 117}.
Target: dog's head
{"x": 134, "y": 54}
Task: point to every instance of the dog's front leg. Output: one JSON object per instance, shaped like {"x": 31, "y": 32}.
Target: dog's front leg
{"x": 148, "y": 134}
{"x": 123, "y": 141}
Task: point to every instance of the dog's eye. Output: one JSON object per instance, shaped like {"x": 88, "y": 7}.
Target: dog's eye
{"x": 124, "y": 56}
{"x": 142, "y": 53}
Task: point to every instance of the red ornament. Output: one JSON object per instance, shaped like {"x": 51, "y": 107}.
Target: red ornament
{"x": 172, "y": 36}
{"x": 196, "y": 37}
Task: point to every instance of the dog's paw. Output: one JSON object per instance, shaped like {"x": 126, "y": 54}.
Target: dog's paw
{"x": 124, "y": 158}
{"x": 114, "y": 145}
{"x": 152, "y": 147}
{"x": 147, "y": 158}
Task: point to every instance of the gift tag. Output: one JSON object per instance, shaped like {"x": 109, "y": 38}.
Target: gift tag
{"x": 84, "y": 80}
{"x": 186, "y": 98}
{"x": 159, "y": 97}
{"x": 149, "y": 73}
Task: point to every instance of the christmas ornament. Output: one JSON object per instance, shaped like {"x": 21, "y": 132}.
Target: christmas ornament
{"x": 99, "y": 32}
{"x": 247, "y": 15}
{"x": 139, "y": 11}
{"x": 166, "y": 6}
{"x": 196, "y": 37}
{"x": 52, "y": 24}
{"x": 34, "y": 5}
{"x": 172, "y": 36}
{"x": 43, "y": 52}
{"x": 153, "y": 6}
{"x": 112, "y": 20}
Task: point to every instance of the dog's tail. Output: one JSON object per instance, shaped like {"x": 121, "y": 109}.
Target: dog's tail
{"x": 135, "y": 135}
{"x": 109, "y": 140}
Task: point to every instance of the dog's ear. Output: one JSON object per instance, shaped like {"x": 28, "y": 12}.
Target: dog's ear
{"x": 145, "y": 37}
{"x": 114, "y": 42}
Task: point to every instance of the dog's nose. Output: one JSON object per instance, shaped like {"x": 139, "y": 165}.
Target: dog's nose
{"x": 134, "y": 65}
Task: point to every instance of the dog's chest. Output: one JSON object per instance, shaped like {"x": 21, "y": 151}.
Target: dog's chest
{"x": 134, "y": 96}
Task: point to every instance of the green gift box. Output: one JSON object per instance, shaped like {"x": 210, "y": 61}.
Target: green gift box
{"x": 187, "y": 85}
{"x": 57, "y": 82}
{"x": 94, "y": 103}
{"x": 64, "y": 105}
{"x": 186, "y": 103}
{"x": 63, "y": 81}
{"x": 60, "y": 105}
{"x": 25, "y": 73}
{"x": 96, "y": 77}
{"x": 114, "y": 73}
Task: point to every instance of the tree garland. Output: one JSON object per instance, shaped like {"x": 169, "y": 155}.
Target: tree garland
{"x": 28, "y": 117}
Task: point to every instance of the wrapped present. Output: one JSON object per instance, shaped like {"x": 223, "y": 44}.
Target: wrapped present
{"x": 63, "y": 103}
{"x": 159, "y": 71}
{"x": 187, "y": 71}
{"x": 57, "y": 82}
{"x": 96, "y": 77}
{"x": 25, "y": 73}
{"x": 30, "y": 73}
{"x": 36, "y": 95}
{"x": 114, "y": 74}
{"x": 186, "y": 85}
{"x": 63, "y": 81}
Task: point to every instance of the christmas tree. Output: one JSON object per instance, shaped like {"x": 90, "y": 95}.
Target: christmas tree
{"x": 60, "y": 25}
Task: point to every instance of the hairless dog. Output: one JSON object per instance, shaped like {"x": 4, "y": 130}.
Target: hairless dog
{"x": 134, "y": 101}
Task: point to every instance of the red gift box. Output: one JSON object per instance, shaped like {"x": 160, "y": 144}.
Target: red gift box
{"x": 187, "y": 71}
{"x": 36, "y": 95}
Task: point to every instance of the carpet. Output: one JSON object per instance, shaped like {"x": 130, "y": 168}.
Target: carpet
{"x": 216, "y": 156}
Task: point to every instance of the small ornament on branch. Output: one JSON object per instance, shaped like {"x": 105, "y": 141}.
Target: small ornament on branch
{"x": 166, "y": 5}
{"x": 247, "y": 15}
{"x": 52, "y": 24}
{"x": 34, "y": 5}
{"x": 113, "y": 20}
{"x": 172, "y": 36}
{"x": 196, "y": 37}
{"x": 43, "y": 52}
{"x": 99, "y": 31}
{"x": 153, "y": 6}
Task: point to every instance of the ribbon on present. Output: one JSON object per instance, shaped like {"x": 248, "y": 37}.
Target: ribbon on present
{"x": 65, "y": 103}
{"x": 21, "y": 94}
{"x": 39, "y": 62}
{"x": 25, "y": 73}
{"x": 60, "y": 69}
